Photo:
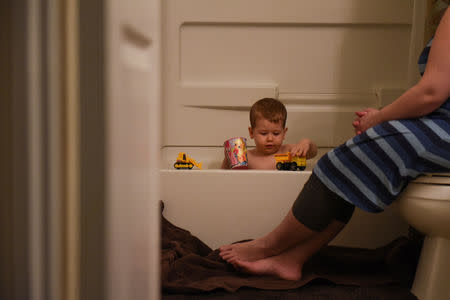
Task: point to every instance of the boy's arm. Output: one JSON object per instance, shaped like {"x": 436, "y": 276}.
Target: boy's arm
{"x": 305, "y": 147}
{"x": 312, "y": 150}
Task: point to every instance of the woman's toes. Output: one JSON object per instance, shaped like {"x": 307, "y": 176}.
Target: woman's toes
{"x": 227, "y": 256}
{"x": 225, "y": 248}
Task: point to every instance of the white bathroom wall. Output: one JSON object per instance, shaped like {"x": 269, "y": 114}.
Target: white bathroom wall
{"x": 323, "y": 59}
{"x": 133, "y": 98}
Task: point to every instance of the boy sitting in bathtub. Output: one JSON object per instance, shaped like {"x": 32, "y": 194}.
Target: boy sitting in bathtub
{"x": 268, "y": 121}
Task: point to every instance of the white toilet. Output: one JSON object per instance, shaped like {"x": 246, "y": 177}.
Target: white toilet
{"x": 425, "y": 205}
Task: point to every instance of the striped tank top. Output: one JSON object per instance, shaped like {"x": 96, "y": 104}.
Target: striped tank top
{"x": 372, "y": 169}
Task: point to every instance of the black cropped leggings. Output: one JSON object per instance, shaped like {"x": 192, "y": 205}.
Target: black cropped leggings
{"x": 316, "y": 205}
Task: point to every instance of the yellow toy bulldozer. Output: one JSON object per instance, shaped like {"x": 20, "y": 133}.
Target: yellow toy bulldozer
{"x": 286, "y": 161}
{"x": 185, "y": 162}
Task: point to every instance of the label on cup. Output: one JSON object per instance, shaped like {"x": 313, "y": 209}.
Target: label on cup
{"x": 236, "y": 152}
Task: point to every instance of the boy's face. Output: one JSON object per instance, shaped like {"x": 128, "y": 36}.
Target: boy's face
{"x": 268, "y": 136}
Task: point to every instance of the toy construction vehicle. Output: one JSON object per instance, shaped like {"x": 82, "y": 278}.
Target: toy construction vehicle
{"x": 286, "y": 161}
{"x": 185, "y": 162}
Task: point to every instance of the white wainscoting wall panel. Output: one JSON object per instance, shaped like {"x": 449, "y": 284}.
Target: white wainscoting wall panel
{"x": 324, "y": 59}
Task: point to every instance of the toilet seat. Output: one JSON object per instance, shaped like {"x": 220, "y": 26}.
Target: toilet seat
{"x": 425, "y": 205}
{"x": 434, "y": 178}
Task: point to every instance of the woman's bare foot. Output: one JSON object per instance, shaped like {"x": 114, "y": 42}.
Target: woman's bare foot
{"x": 285, "y": 264}
{"x": 247, "y": 251}
{"x": 287, "y": 234}
{"x": 279, "y": 266}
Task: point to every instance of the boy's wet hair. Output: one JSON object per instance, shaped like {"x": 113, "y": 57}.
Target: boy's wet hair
{"x": 270, "y": 109}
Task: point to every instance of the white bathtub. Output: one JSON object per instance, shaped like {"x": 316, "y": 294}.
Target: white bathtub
{"x": 223, "y": 206}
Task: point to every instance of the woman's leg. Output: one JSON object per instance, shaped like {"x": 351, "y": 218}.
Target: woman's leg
{"x": 313, "y": 211}
{"x": 287, "y": 234}
{"x": 289, "y": 264}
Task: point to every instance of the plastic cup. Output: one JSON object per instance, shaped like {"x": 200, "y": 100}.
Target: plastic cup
{"x": 236, "y": 152}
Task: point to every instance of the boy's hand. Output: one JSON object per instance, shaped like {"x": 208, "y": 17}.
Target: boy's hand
{"x": 303, "y": 148}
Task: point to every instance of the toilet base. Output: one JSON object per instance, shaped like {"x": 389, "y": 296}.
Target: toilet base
{"x": 431, "y": 281}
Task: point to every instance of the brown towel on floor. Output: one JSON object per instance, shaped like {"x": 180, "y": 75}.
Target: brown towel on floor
{"x": 189, "y": 265}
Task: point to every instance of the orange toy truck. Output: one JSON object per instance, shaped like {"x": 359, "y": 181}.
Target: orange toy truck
{"x": 286, "y": 161}
{"x": 185, "y": 162}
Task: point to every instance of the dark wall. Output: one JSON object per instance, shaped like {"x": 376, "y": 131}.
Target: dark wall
{"x": 92, "y": 150}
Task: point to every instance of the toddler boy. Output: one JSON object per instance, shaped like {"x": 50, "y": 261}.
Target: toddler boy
{"x": 268, "y": 121}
